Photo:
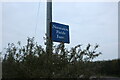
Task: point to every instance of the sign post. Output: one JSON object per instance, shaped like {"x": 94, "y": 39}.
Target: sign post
{"x": 55, "y": 31}
{"x": 48, "y": 29}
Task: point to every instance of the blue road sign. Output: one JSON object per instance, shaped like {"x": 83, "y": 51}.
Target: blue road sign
{"x": 60, "y": 32}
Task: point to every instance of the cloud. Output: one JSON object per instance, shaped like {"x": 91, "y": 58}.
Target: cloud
{"x": 89, "y": 22}
{"x": 0, "y": 26}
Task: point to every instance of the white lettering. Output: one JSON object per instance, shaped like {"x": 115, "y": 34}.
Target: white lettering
{"x": 65, "y": 29}
{"x": 60, "y": 37}
{"x": 60, "y": 32}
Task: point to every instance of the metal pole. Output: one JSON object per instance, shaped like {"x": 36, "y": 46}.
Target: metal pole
{"x": 48, "y": 29}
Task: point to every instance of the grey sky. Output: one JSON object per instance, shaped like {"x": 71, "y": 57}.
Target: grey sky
{"x": 0, "y": 38}
{"x": 89, "y": 22}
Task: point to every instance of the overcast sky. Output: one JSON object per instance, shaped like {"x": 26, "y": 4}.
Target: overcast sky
{"x": 89, "y": 22}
